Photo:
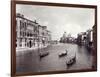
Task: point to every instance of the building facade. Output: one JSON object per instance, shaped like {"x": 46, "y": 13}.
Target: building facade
{"x": 85, "y": 38}
{"x": 29, "y": 33}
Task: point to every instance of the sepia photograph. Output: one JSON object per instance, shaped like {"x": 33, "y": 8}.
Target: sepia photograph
{"x": 54, "y": 38}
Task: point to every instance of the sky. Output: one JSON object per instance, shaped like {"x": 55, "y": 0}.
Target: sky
{"x": 59, "y": 19}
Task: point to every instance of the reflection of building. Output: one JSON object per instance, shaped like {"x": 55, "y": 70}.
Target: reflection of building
{"x": 30, "y": 33}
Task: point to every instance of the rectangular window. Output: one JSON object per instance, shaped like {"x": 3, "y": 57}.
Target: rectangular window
{"x": 20, "y": 24}
{"x": 25, "y": 25}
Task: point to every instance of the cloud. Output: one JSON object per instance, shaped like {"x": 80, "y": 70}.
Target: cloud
{"x": 59, "y": 19}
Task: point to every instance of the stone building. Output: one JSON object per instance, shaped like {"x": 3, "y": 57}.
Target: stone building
{"x": 29, "y": 33}
{"x": 85, "y": 38}
{"x": 94, "y": 49}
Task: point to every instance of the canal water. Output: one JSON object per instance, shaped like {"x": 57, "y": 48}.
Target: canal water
{"x": 30, "y": 62}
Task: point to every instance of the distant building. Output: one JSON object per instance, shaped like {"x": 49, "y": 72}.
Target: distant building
{"x": 85, "y": 38}
{"x": 63, "y": 38}
{"x": 95, "y": 36}
{"x": 79, "y": 39}
{"x": 48, "y": 37}
{"x": 89, "y": 38}
{"x": 70, "y": 39}
{"x": 29, "y": 33}
{"x": 67, "y": 38}
{"x": 94, "y": 49}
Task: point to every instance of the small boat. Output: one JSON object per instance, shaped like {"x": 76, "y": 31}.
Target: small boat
{"x": 43, "y": 54}
{"x": 71, "y": 61}
{"x": 63, "y": 53}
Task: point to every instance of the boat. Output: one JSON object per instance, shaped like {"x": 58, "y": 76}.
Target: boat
{"x": 43, "y": 54}
{"x": 71, "y": 60}
{"x": 63, "y": 53}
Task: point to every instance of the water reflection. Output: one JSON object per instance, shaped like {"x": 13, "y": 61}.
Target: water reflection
{"x": 30, "y": 61}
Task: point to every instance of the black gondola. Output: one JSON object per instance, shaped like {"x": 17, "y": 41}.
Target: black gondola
{"x": 43, "y": 54}
{"x": 71, "y": 61}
